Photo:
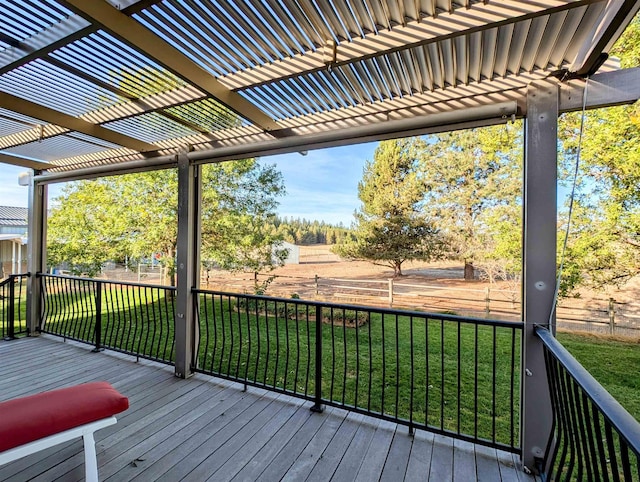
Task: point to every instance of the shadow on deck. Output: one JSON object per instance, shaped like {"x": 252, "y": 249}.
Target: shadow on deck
{"x": 207, "y": 429}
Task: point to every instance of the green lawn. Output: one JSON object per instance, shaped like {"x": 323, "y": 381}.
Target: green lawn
{"x": 614, "y": 363}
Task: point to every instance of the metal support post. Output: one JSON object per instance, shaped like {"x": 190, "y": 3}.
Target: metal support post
{"x": 539, "y": 266}
{"x": 11, "y": 316}
{"x": 317, "y": 406}
{"x": 98, "y": 325}
{"x": 36, "y": 253}
{"x": 187, "y": 265}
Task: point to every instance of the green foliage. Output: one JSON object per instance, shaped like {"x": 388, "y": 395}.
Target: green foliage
{"x": 604, "y": 242}
{"x": 391, "y": 227}
{"x": 473, "y": 178}
{"x": 136, "y": 216}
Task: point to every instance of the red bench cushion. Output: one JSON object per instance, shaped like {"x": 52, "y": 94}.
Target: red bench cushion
{"x": 26, "y": 419}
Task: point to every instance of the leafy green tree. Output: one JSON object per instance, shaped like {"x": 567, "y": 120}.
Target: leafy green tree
{"x": 391, "y": 227}
{"x": 468, "y": 175}
{"x": 604, "y": 242}
{"x": 136, "y": 216}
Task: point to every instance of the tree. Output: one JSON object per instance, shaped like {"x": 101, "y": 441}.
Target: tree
{"x": 135, "y": 215}
{"x": 604, "y": 242}
{"x": 391, "y": 227}
{"x": 469, "y": 174}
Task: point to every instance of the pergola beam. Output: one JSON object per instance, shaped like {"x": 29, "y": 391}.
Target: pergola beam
{"x": 616, "y": 20}
{"x": 59, "y": 35}
{"x": 112, "y": 113}
{"x": 153, "y": 46}
{"x": 46, "y": 114}
{"x": 23, "y": 162}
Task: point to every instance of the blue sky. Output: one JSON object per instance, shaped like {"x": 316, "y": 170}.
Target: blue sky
{"x": 323, "y": 185}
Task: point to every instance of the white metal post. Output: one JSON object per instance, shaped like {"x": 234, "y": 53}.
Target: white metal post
{"x": 36, "y": 253}
{"x": 539, "y": 256}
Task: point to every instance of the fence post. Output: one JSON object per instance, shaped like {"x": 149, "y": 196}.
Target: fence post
{"x": 98, "y": 325}
{"x": 317, "y": 405}
{"x": 317, "y": 290}
{"x": 390, "y": 292}
{"x": 487, "y": 300}
{"x": 11, "y": 318}
{"x": 612, "y": 316}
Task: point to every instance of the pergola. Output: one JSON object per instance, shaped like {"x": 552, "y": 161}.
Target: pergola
{"x": 93, "y": 87}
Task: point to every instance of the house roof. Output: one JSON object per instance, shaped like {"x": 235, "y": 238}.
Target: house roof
{"x": 85, "y": 83}
{"x": 13, "y": 216}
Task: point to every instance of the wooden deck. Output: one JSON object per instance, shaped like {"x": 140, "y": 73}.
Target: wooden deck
{"x": 206, "y": 429}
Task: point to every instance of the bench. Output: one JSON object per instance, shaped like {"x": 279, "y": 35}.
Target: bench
{"x": 34, "y": 423}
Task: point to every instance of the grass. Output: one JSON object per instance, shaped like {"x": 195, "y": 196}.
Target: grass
{"x": 613, "y": 362}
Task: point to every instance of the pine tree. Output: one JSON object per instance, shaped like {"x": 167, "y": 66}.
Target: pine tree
{"x": 390, "y": 227}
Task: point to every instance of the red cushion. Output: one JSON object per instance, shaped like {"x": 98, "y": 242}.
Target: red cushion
{"x": 26, "y": 419}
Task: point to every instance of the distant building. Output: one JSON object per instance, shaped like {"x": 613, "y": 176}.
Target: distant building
{"x": 294, "y": 253}
{"x": 13, "y": 240}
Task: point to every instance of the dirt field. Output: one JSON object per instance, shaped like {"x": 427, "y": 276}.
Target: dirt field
{"x": 438, "y": 287}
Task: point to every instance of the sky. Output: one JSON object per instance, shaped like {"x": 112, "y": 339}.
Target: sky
{"x": 322, "y": 185}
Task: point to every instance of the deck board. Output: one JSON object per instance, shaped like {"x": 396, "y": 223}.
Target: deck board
{"x": 209, "y": 429}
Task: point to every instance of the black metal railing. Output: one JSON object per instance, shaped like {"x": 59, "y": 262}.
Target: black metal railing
{"x": 13, "y": 306}
{"x": 131, "y": 318}
{"x": 447, "y": 374}
{"x": 593, "y": 436}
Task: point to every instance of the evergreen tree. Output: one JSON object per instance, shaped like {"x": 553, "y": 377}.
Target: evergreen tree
{"x": 391, "y": 227}
{"x": 468, "y": 175}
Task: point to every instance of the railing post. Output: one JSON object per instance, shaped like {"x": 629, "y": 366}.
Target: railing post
{"x": 98, "y": 324}
{"x": 487, "y": 301}
{"x": 539, "y": 265}
{"x": 11, "y": 318}
{"x": 317, "y": 405}
{"x": 612, "y": 316}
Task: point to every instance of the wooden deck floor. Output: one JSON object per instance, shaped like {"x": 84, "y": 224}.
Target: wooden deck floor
{"x": 206, "y": 429}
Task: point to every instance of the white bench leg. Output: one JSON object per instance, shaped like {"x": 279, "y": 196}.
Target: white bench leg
{"x": 90, "y": 458}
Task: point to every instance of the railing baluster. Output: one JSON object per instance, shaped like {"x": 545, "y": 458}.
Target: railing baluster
{"x": 317, "y": 406}
{"x": 583, "y": 415}
{"x": 98, "y": 323}
{"x": 12, "y": 308}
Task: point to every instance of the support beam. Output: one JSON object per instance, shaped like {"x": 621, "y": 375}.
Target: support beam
{"x": 36, "y": 253}
{"x": 153, "y": 46}
{"x": 606, "y": 89}
{"x": 604, "y": 34}
{"x": 539, "y": 276}
{"x": 24, "y": 162}
{"x": 187, "y": 265}
{"x": 37, "y": 111}
{"x": 62, "y": 33}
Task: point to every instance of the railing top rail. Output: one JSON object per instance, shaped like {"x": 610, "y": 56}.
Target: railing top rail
{"x": 626, "y": 425}
{"x": 8, "y": 279}
{"x": 107, "y": 281}
{"x": 388, "y": 311}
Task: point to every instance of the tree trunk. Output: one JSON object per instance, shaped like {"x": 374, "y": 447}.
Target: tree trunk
{"x": 397, "y": 269}
{"x": 469, "y": 271}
